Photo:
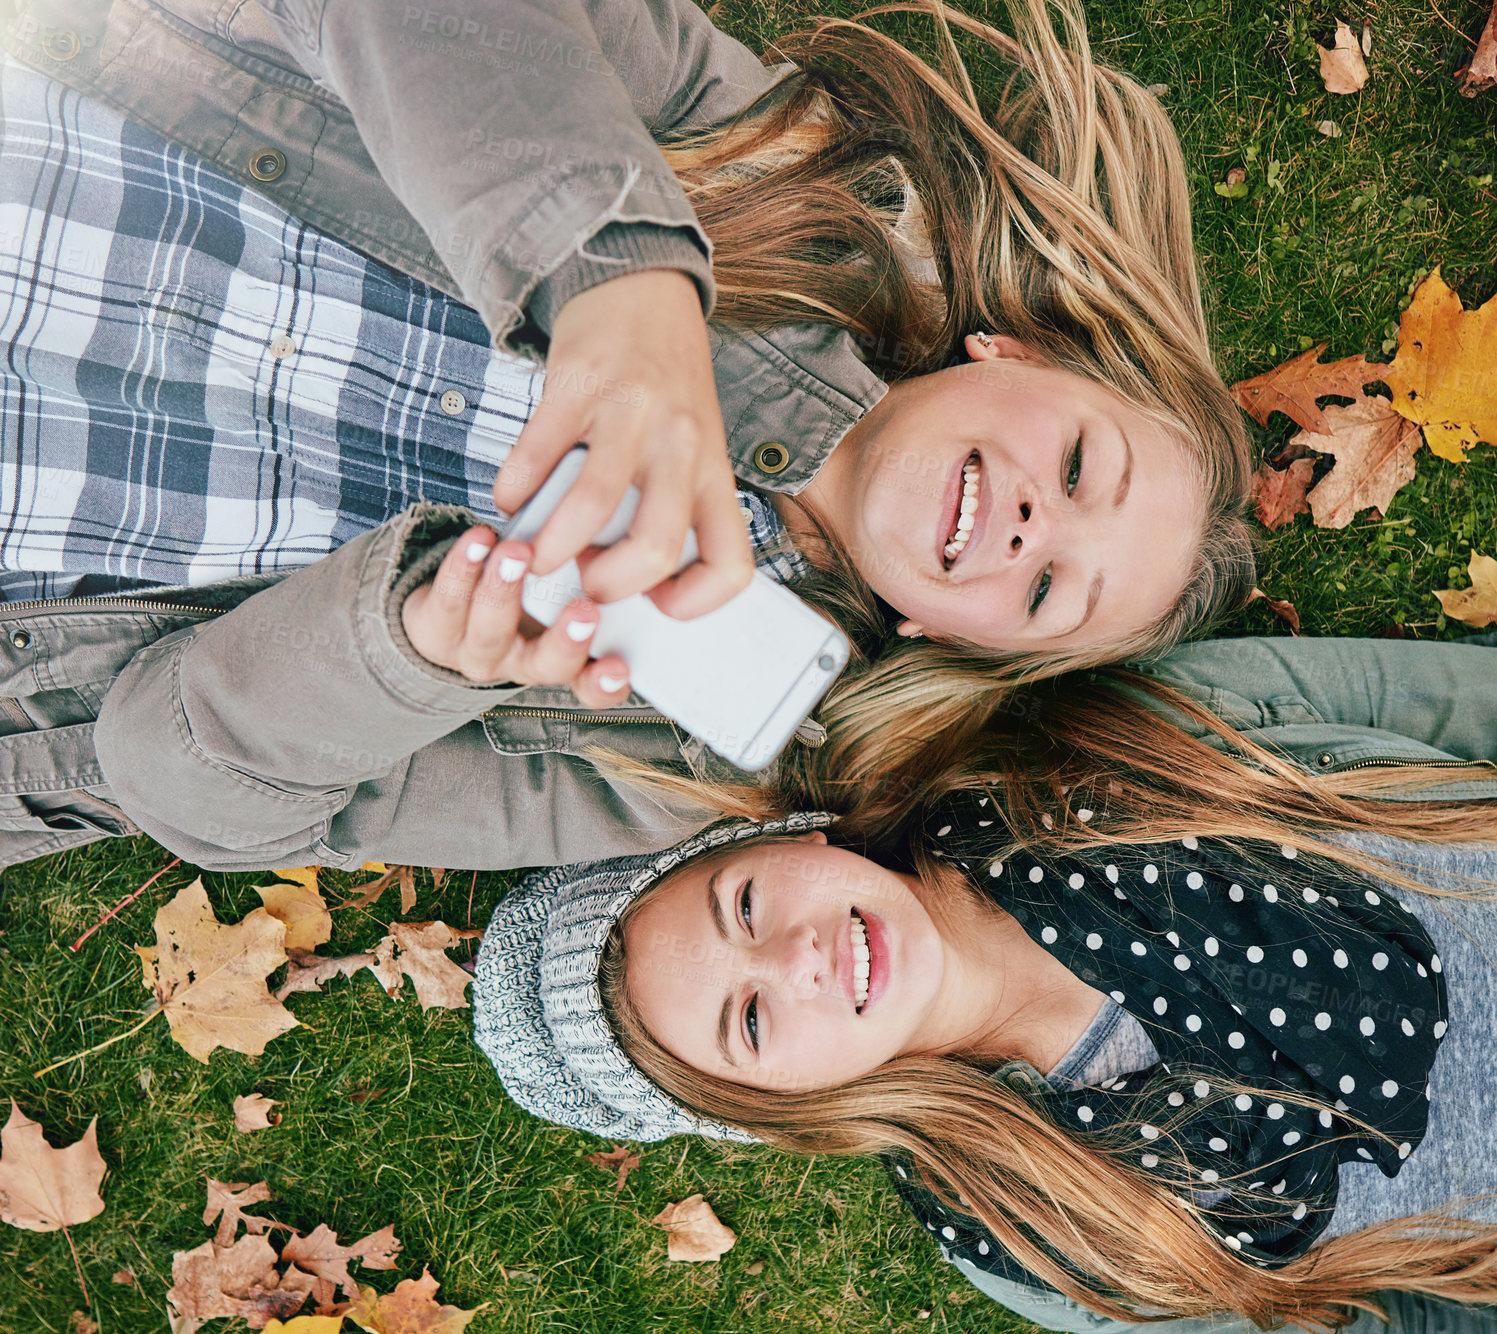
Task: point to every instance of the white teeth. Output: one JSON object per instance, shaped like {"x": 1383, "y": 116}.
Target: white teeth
{"x": 967, "y": 517}
{"x": 860, "y": 961}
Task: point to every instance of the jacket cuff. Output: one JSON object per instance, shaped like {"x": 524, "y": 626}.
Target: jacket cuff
{"x": 620, "y": 248}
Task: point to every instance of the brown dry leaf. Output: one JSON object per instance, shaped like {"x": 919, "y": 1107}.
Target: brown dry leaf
{"x": 231, "y": 1199}
{"x": 43, "y": 1189}
{"x": 83, "y": 1325}
{"x": 1476, "y": 605}
{"x": 319, "y": 1255}
{"x": 1341, "y": 65}
{"x": 307, "y": 972}
{"x": 1285, "y": 611}
{"x": 1481, "y": 73}
{"x": 1293, "y": 387}
{"x": 407, "y": 888}
{"x": 756, "y": 1268}
{"x": 1374, "y": 449}
{"x": 307, "y": 920}
{"x": 693, "y": 1230}
{"x": 122, "y": 1276}
{"x": 1445, "y": 374}
{"x": 254, "y": 1111}
{"x": 368, "y": 893}
{"x": 210, "y": 978}
{"x": 618, "y": 1157}
{"x": 240, "y": 1280}
{"x": 1280, "y": 493}
{"x": 410, "y": 1309}
{"x": 438, "y": 874}
{"x": 417, "y": 950}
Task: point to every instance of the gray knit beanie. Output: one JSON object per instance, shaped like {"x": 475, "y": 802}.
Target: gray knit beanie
{"x": 537, "y": 1010}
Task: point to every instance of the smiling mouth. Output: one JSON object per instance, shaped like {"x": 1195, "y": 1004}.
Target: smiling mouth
{"x": 861, "y": 961}
{"x": 965, "y": 518}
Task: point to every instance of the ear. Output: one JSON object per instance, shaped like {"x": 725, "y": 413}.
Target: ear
{"x": 815, "y": 836}
{"x": 909, "y": 630}
{"x": 1000, "y": 347}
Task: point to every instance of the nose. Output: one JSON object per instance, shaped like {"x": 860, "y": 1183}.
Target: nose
{"x": 1029, "y": 529}
{"x": 799, "y": 962}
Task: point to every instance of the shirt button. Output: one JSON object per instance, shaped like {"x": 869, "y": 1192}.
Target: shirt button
{"x": 282, "y": 346}
{"x": 453, "y": 403}
{"x": 61, "y": 45}
{"x": 267, "y": 164}
{"x": 21, "y": 638}
{"x": 771, "y": 457}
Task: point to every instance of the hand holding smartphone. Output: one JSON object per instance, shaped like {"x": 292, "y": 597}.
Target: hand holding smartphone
{"x": 742, "y": 677}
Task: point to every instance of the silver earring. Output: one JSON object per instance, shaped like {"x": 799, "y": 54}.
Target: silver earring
{"x": 983, "y": 339}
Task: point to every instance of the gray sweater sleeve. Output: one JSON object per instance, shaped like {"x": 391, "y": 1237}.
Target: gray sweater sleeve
{"x": 526, "y": 126}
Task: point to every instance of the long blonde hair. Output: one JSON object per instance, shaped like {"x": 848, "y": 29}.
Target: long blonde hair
{"x": 1063, "y": 1208}
{"x": 1057, "y": 212}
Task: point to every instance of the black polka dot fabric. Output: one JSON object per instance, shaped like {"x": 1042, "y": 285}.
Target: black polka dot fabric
{"x": 1305, "y": 986}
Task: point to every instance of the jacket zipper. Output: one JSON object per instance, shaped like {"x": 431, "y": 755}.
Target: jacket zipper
{"x": 120, "y": 603}
{"x": 810, "y": 733}
{"x": 1407, "y": 764}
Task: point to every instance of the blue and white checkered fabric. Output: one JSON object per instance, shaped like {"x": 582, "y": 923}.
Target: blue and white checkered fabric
{"x": 194, "y": 384}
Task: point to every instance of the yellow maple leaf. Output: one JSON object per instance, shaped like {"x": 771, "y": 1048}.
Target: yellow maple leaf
{"x": 1445, "y": 374}
{"x": 44, "y": 1189}
{"x": 300, "y": 908}
{"x": 1476, "y": 605}
{"x": 305, "y": 876}
{"x": 210, "y": 979}
{"x": 410, "y": 1309}
{"x": 307, "y": 1324}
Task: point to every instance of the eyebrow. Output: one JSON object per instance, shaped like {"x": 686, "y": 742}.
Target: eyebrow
{"x": 1093, "y": 594}
{"x": 715, "y": 908}
{"x": 1124, "y": 483}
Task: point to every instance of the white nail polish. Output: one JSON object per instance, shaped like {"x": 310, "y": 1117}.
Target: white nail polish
{"x": 611, "y": 683}
{"x": 511, "y": 570}
{"x": 477, "y": 552}
{"x": 580, "y": 630}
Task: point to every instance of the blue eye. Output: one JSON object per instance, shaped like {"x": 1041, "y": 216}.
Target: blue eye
{"x": 751, "y": 1022}
{"x": 1073, "y": 475}
{"x": 1041, "y": 591}
{"x": 745, "y": 907}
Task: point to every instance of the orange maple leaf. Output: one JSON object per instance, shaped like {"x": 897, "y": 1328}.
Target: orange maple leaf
{"x": 410, "y": 1309}
{"x": 1293, "y": 387}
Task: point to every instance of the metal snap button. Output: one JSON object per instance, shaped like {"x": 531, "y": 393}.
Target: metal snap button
{"x": 1325, "y": 759}
{"x": 267, "y": 164}
{"x": 61, "y": 45}
{"x": 453, "y": 403}
{"x": 771, "y": 457}
{"x": 282, "y": 346}
{"x": 21, "y": 639}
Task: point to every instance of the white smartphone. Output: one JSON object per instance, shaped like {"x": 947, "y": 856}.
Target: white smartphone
{"x": 741, "y": 678}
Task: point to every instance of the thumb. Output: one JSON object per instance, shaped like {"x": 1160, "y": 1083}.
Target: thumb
{"x": 554, "y": 427}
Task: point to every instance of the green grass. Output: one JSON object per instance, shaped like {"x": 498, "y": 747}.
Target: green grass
{"x": 471, "y": 1184}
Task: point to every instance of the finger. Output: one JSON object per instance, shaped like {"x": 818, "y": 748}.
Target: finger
{"x": 560, "y": 654}
{"x": 724, "y": 567}
{"x": 494, "y": 612}
{"x": 652, "y": 550}
{"x": 554, "y": 427}
{"x": 444, "y": 611}
{"x": 588, "y": 504}
{"x": 603, "y": 684}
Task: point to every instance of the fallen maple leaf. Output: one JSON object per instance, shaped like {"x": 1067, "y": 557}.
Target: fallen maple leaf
{"x": 1374, "y": 449}
{"x": 1476, "y": 605}
{"x": 368, "y": 893}
{"x": 122, "y": 1276}
{"x": 692, "y": 1230}
{"x": 210, "y": 1281}
{"x": 1342, "y": 68}
{"x": 305, "y": 876}
{"x": 301, "y": 909}
{"x": 43, "y": 1189}
{"x": 307, "y": 972}
{"x": 1280, "y": 492}
{"x": 319, "y": 1255}
{"x": 254, "y": 1111}
{"x": 210, "y": 978}
{"x": 410, "y": 1309}
{"x": 1293, "y": 387}
{"x": 82, "y": 1324}
{"x": 618, "y": 1157}
{"x": 1285, "y": 611}
{"x": 307, "y": 1324}
{"x": 231, "y": 1199}
{"x": 417, "y": 950}
{"x": 1481, "y": 73}
{"x": 1445, "y": 374}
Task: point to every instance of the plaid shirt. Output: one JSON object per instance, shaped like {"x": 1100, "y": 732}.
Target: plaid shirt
{"x": 196, "y": 385}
